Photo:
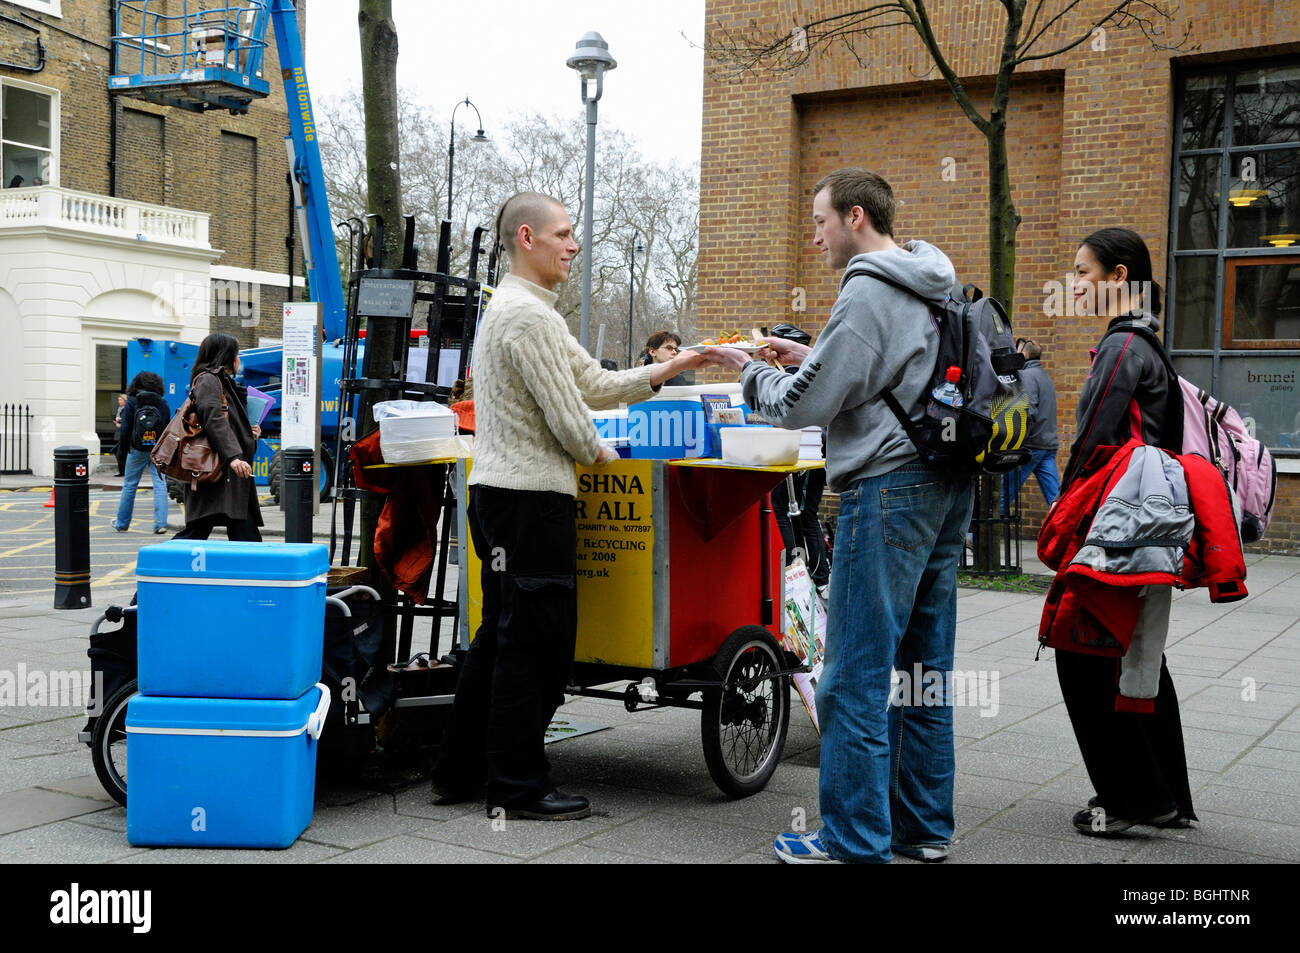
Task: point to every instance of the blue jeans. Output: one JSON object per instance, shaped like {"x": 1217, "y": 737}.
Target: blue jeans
{"x": 137, "y": 461}
{"x": 887, "y": 769}
{"x": 1042, "y": 464}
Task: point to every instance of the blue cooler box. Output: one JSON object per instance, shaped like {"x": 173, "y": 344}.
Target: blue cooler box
{"x": 231, "y": 620}
{"x": 666, "y": 429}
{"x": 217, "y": 772}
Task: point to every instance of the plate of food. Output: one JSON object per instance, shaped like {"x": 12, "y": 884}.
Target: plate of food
{"x": 735, "y": 339}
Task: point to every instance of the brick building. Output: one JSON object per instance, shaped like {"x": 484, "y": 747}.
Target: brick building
{"x": 1104, "y": 134}
{"x": 122, "y": 218}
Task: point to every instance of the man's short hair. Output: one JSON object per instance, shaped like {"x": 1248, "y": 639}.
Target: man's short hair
{"x": 1032, "y": 350}
{"x": 864, "y": 188}
{"x": 523, "y": 208}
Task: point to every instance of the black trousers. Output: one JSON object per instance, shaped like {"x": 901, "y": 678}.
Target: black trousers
{"x": 1136, "y": 762}
{"x": 808, "y": 488}
{"x": 513, "y": 677}
{"x": 237, "y": 531}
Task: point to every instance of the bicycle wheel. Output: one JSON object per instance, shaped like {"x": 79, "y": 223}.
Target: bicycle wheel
{"x": 743, "y": 725}
{"x": 108, "y": 743}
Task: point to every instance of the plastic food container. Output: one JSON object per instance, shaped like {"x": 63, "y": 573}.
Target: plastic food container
{"x": 220, "y": 772}
{"x": 231, "y": 620}
{"x": 412, "y": 431}
{"x": 760, "y": 446}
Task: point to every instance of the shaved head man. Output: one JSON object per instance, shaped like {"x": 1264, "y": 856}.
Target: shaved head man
{"x": 533, "y": 385}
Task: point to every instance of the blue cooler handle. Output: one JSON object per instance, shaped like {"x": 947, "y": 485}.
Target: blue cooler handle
{"x": 316, "y": 721}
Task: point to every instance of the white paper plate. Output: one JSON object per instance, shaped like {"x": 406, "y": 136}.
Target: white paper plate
{"x": 747, "y": 348}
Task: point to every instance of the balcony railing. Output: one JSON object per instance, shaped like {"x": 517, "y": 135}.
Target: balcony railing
{"x": 47, "y": 205}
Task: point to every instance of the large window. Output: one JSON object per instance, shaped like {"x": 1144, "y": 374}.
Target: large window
{"x": 1234, "y": 260}
{"x": 29, "y": 135}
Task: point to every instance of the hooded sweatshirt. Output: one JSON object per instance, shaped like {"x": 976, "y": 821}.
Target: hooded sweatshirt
{"x": 877, "y": 337}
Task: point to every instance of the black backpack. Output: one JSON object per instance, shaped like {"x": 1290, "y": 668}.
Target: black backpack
{"x": 993, "y": 422}
{"x": 150, "y": 419}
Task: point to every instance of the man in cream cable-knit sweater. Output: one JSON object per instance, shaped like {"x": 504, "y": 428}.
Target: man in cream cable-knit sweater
{"x": 533, "y": 384}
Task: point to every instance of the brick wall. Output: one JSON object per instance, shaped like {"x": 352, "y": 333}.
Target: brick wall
{"x": 164, "y": 155}
{"x": 1090, "y": 146}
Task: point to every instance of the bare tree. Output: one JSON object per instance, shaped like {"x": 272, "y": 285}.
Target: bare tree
{"x": 1034, "y": 30}
{"x": 384, "y": 191}
{"x": 536, "y": 153}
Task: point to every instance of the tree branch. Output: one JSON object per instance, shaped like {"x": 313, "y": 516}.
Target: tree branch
{"x": 1144, "y": 14}
{"x": 921, "y": 21}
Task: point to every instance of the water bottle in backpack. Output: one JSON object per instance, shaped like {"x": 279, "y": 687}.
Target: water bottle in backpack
{"x": 946, "y": 400}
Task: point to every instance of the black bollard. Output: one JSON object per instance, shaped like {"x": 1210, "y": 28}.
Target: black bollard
{"x": 297, "y": 485}
{"x": 71, "y": 528}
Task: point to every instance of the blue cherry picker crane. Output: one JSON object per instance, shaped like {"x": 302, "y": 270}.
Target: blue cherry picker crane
{"x": 211, "y": 57}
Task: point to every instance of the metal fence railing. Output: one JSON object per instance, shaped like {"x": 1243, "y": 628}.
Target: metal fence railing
{"x": 994, "y": 527}
{"x": 15, "y": 438}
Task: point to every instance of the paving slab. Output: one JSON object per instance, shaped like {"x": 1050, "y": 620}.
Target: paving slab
{"x": 33, "y": 807}
{"x": 408, "y": 849}
{"x": 672, "y": 837}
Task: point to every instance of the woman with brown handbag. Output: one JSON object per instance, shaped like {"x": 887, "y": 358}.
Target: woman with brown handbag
{"x": 220, "y": 405}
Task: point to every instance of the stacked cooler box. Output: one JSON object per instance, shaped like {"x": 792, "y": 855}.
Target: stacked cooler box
{"x": 221, "y": 742}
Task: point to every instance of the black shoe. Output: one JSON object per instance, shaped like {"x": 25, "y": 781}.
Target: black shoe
{"x": 1095, "y": 822}
{"x": 556, "y": 806}
{"x": 1179, "y": 822}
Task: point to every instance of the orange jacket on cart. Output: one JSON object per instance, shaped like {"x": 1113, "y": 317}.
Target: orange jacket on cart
{"x": 406, "y": 534}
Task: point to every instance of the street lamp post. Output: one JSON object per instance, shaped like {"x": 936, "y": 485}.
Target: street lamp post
{"x": 591, "y": 58}
{"x": 637, "y": 249}
{"x": 451, "y": 145}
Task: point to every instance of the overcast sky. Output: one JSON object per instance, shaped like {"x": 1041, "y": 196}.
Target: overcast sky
{"x": 509, "y": 57}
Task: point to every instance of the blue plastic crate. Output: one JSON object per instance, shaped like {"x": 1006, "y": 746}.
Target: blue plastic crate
{"x": 231, "y": 620}
{"x": 219, "y": 772}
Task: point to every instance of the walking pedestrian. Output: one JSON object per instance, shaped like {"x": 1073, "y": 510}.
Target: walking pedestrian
{"x": 1136, "y": 761}
{"x": 120, "y": 447}
{"x": 143, "y": 416}
{"x": 221, "y": 405}
{"x": 1041, "y": 441}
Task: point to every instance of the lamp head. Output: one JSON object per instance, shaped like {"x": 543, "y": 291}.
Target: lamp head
{"x": 591, "y": 56}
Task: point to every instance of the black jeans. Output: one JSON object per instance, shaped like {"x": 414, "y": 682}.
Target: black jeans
{"x": 237, "y": 531}
{"x": 808, "y": 488}
{"x": 1136, "y": 762}
{"x": 517, "y": 667}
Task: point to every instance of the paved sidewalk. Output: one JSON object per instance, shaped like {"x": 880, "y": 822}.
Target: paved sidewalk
{"x": 1019, "y": 775}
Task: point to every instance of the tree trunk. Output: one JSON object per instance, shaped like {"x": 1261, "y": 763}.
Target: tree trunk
{"x": 1004, "y": 220}
{"x": 384, "y": 190}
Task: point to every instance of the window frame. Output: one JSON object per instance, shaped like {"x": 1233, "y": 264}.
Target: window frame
{"x": 56, "y": 125}
{"x": 1226, "y": 258}
{"x": 1228, "y": 342}
{"x": 52, "y": 8}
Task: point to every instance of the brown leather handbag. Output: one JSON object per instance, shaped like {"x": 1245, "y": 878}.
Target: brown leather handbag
{"x": 183, "y": 452}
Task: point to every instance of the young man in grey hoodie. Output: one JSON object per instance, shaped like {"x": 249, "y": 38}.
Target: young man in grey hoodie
{"x": 886, "y": 768}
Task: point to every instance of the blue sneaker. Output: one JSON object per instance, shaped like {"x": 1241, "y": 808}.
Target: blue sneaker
{"x": 802, "y": 849}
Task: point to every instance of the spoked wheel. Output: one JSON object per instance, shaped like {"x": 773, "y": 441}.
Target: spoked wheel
{"x": 743, "y": 724}
{"x": 108, "y": 743}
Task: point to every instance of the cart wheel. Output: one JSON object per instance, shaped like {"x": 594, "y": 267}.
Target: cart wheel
{"x": 108, "y": 743}
{"x": 743, "y": 724}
